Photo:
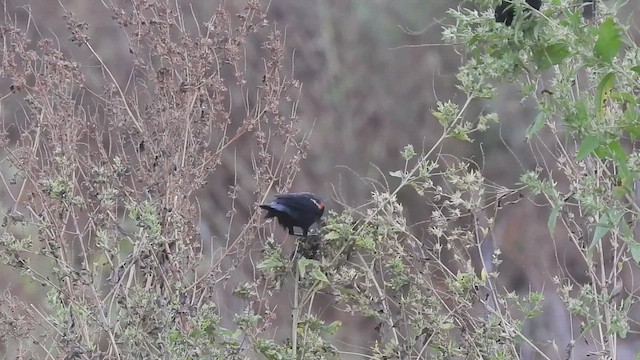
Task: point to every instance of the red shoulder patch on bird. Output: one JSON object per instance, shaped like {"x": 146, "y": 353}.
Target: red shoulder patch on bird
{"x": 319, "y": 204}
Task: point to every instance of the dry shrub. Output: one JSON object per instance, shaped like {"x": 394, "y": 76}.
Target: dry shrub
{"x": 102, "y": 163}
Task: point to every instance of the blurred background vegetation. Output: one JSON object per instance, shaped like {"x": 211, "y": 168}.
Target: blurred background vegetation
{"x": 372, "y": 72}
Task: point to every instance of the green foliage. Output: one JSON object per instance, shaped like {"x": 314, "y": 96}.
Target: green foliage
{"x": 609, "y": 40}
{"x": 123, "y": 266}
{"x": 549, "y": 55}
{"x": 588, "y": 119}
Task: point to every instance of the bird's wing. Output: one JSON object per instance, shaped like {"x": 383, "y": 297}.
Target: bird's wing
{"x": 275, "y": 206}
{"x": 294, "y": 204}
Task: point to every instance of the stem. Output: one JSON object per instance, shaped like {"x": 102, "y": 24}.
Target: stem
{"x": 295, "y": 313}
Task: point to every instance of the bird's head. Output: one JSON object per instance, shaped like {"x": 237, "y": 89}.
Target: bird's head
{"x": 318, "y": 202}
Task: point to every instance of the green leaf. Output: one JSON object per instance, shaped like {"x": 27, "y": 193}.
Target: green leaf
{"x": 619, "y": 327}
{"x": 624, "y": 97}
{"x": 302, "y": 265}
{"x": 636, "y": 69}
{"x": 623, "y": 174}
{"x": 602, "y": 152}
{"x": 332, "y": 235}
{"x": 408, "y": 152}
{"x": 609, "y": 220}
{"x": 619, "y": 192}
{"x": 619, "y": 155}
{"x": 604, "y": 92}
{"x": 626, "y": 231}
{"x": 635, "y": 251}
{"x": 550, "y": 55}
{"x": 614, "y": 217}
{"x": 589, "y": 144}
{"x": 461, "y": 132}
{"x": 608, "y": 42}
{"x": 447, "y": 325}
{"x": 617, "y": 151}
{"x": 319, "y": 275}
{"x": 572, "y": 17}
{"x": 601, "y": 230}
{"x": 631, "y": 122}
{"x": 580, "y": 117}
{"x": 316, "y": 273}
{"x": 537, "y": 125}
{"x": 271, "y": 263}
{"x": 332, "y": 328}
{"x": 553, "y": 218}
{"x": 397, "y": 174}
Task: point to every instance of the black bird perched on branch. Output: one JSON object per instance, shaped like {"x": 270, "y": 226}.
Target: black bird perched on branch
{"x": 295, "y": 210}
{"x": 505, "y": 11}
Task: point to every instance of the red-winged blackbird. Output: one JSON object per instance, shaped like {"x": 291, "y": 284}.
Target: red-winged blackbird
{"x": 295, "y": 209}
{"x": 505, "y": 12}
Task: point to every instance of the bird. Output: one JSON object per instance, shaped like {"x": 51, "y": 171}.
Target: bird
{"x": 301, "y": 209}
{"x": 505, "y": 11}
